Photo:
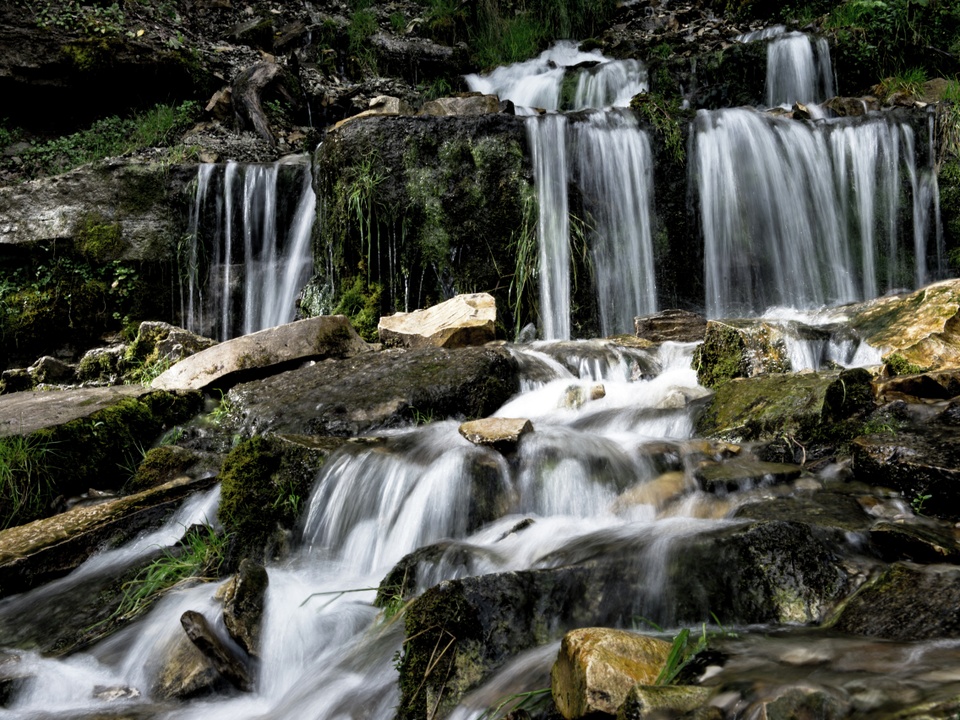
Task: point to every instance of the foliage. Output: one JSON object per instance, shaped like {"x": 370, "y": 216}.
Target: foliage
{"x": 909, "y": 84}
{"x": 531, "y": 700}
{"x": 899, "y": 365}
{"x": 74, "y": 17}
{"x": 665, "y": 116}
{"x": 919, "y": 500}
{"x": 108, "y": 137}
{"x": 198, "y": 558}
{"x": 526, "y": 252}
{"x": 360, "y": 301}
{"x": 26, "y": 485}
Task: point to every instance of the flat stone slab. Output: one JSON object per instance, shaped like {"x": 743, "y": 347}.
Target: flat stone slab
{"x": 265, "y": 352}
{"x": 502, "y": 434}
{"x": 26, "y": 412}
{"x": 42, "y": 550}
{"x": 461, "y": 321}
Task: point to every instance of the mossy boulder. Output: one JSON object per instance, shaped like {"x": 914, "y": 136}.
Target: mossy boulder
{"x": 823, "y": 407}
{"x": 266, "y": 481}
{"x": 162, "y": 464}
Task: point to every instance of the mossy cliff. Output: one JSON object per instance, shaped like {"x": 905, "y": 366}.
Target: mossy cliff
{"x": 416, "y": 209}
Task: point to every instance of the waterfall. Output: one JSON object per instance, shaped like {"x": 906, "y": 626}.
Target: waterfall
{"x": 249, "y": 250}
{"x": 798, "y": 70}
{"x": 805, "y": 215}
{"x": 547, "y": 81}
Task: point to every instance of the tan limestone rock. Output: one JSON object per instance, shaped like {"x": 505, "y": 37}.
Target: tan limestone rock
{"x": 502, "y": 434}
{"x": 597, "y": 667}
{"x": 459, "y": 322}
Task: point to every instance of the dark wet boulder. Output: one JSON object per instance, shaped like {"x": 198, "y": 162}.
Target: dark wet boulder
{"x": 759, "y": 572}
{"x": 919, "y": 542}
{"x": 743, "y": 474}
{"x": 226, "y": 661}
{"x": 790, "y": 702}
{"x": 905, "y": 602}
{"x": 838, "y": 512}
{"x": 936, "y": 385}
{"x": 243, "y": 599}
{"x": 382, "y": 390}
{"x": 644, "y": 701}
{"x": 923, "y": 464}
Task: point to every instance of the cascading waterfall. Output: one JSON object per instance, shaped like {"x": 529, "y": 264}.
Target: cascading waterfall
{"x": 803, "y": 215}
{"x": 798, "y": 70}
{"x": 250, "y": 250}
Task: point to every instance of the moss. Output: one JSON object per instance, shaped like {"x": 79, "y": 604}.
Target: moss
{"x": 721, "y": 357}
{"x": 265, "y": 482}
{"x": 898, "y": 365}
{"x": 361, "y": 303}
{"x": 667, "y": 119}
{"x": 97, "y": 238}
{"x": 160, "y": 465}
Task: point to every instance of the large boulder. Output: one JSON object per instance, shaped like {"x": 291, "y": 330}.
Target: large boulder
{"x": 381, "y": 390}
{"x": 597, "y": 667}
{"x": 265, "y": 352}
{"x": 243, "y": 600}
{"x": 922, "y": 328}
{"x": 466, "y": 104}
{"x": 459, "y": 322}
{"x": 671, "y": 325}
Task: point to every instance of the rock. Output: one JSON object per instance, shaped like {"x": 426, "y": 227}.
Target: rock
{"x": 834, "y": 511}
{"x": 799, "y": 406}
{"x": 502, "y": 434}
{"x": 186, "y": 673}
{"x": 40, "y": 551}
{"x": 671, "y": 326}
{"x": 793, "y": 701}
{"x": 114, "y": 693}
{"x": 101, "y": 365}
{"x": 416, "y": 58}
{"x": 257, "y": 33}
{"x": 657, "y": 492}
{"x": 459, "y": 322}
{"x": 576, "y": 396}
{"x": 743, "y": 474}
{"x": 15, "y": 380}
{"x": 917, "y": 462}
{"x": 762, "y": 572}
{"x": 466, "y": 104}
{"x": 233, "y": 668}
{"x": 922, "y": 328}
{"x": 263, "y": 353}
{"x": 940, "y": 385}
{"x": 919, "y": 543}
{"x": 160, "y": 341}
{"x": 50, "y": 370}
{"x": 380, "y": 390}
{"x": 380, "y": 105}
{"x": 851, "y": 106}
{"x": 164, "y": 463}
{"x": 243, "y": 605}
{"x": 597, "y": 667}
{"x": 906, "y": 602}
{"x": 746, "y": 348}
{"x": 644, "y": 701}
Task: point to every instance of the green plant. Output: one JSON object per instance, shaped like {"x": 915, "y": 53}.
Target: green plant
{"x": 899, "y": 365}
{"x": 919, "y": 500}
{"x": 909, "y": 84}
{"x": 526, "y": 253}
{"x": 196, "y": 559}
{"x": 222, "y": 411}
{"x": 532, "y": 700}
{"x": 665, "y": 117}
{"x": 73, "y": 17}
{"x": 26, "y": 484}
{"x": 398, "y": 22}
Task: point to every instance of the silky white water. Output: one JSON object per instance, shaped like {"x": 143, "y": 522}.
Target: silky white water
{"x": 249, "y": 251}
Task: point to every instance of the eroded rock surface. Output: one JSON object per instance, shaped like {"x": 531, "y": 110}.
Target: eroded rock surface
{"x": 462, "y": 321}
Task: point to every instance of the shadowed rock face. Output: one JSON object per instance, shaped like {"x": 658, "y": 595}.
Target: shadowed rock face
{"x": 380, "y": 390}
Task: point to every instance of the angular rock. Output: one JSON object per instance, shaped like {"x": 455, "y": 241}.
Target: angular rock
{"x": 743, "y": 474}
{"x": 50, "y": 370}
{"x": 380, "y": 105}
{"x": 597, "y": 667}
{"x": 644, "y": 701}
{"x": 416, "y": 58}
{"x": 746, "y": 348}
{"x": 797, "y": 701}
{"x": 459, "y": 322}
{"x": 15, "y": 380}
{"x": 672, "y": 326}
{"x": 40, "y": 551}
{"x": 186, "y": 673}
{"x": 939, "y": 385}
{"x": 799, "y": 406}
{"x": 852, "y": 106}
{"x": 466, "y": 104}
{"x": 233, "y": 668}
{"x": 163, "y": 341}
{"x": 915, "y": 542}
{"x": 922, "y": 328}
{"x": 906, "y": 602}
{"x": 380, "y": 390}
{"x": 24, "y": 413}
{"x": 917, "y": 462}
{"x": 834, "y": 511}
{"x": 657, "y": 492}
{"x": 263, "y": 353}
{"x": 101, "y": 365}
{"x": 502, "y": 434}
{"x": 243, "y": 605}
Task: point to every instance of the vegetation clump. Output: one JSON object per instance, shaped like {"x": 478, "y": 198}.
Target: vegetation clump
{"x": 27, "y": 486}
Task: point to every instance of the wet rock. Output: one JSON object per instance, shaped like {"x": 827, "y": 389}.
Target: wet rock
{"x": 763, "y": 572}
{"x": 801, "y": 406}
{"x": 415, "y": 58}
{"x": 576, "y": 396}
{"x": 45, "y": 549}
{"x": 50, "y": 370}
{"x": 939, "y": 385}
{"x": 243, "y": 605}
{"x": 915, "y": 542}
{"x": 167, "y": 462}
{"x": 462, "y": 321}
{"x": 597, "y": 667}
{"x": 852, "y": 106}
{"x": 263, "y": 353}
{"x": 380, "y": 390}
{"x": 657, "y": 492}
{"x": 645, "y": 701}
{"x": 792, "y": 702}
{"x": 825, "y": 509}
{"x": 226, "y": 662}
{"x": 186, "y": 673}
{"x": 918, "y": 463}
{"x": 502, "y": 434}
{"x": 466, "y": 104}
{"x": 743, "y": 474}
{"x": 15, "y": 380}
{"x": 746, "y": 348}
{"x": 160, "y": 341}
{"x": 115, "y": 693}
{"x": 906, "y": 602}
{"x": 671, "y": 325}
{"x": 922, "y": 328}
{"x": 102, "y": 365}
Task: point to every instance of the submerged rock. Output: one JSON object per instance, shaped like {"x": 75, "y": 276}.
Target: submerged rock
{"x": 743, "y": 474}
{"x": 458, "y": 322}
{"x": 644, "y": 701}
{"x": 263, "y": 353}
{"x": 671, "y": 325}
{"x": 243, "y": 603}
{"x": 597, "y": 667}
{"x": 381, "y": 390}
{"x": 502, "y": 434}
